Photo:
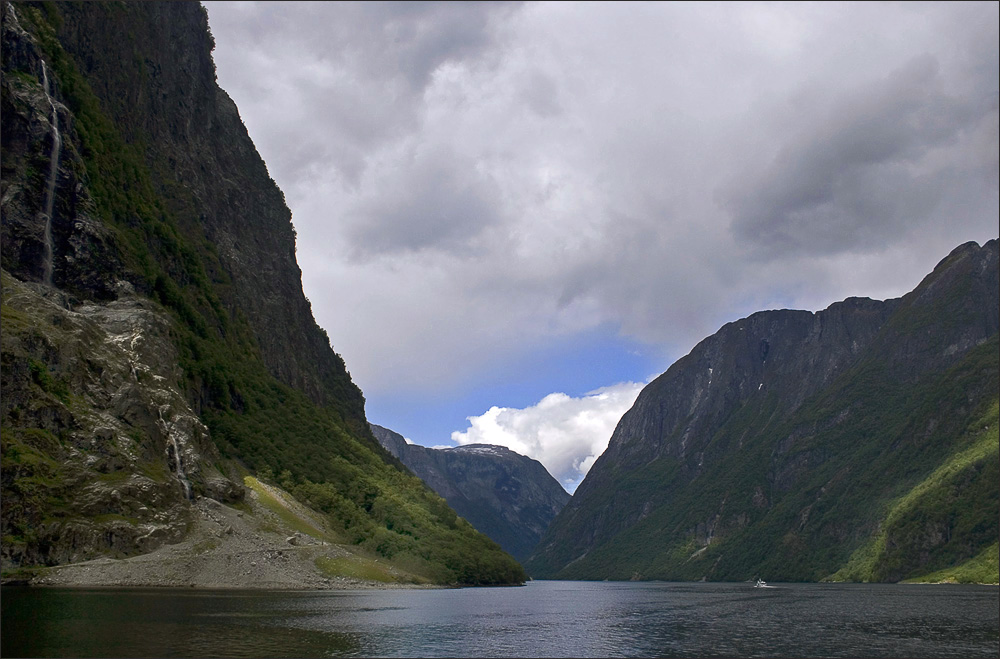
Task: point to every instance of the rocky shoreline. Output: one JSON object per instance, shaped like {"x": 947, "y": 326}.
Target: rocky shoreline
{"x": 224, "y": 548}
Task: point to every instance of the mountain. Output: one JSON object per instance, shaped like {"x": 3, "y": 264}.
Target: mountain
{"x": 856, "y": 443}
{"x": 508, "y": 496}
{"x": 157, "y": 346}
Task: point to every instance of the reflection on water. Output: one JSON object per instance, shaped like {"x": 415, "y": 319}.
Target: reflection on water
{"x": 159, "y": 623}
{"x": 543, "y": 619}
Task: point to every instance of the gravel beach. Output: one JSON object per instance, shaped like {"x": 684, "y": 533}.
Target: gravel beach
{"x": 224, "y": 548}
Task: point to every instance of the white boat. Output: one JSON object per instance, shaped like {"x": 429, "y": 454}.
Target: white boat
{"x": 761, "y": 584}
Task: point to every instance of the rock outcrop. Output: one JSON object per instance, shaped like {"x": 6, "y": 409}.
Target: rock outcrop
{"x": 509, "y": 497}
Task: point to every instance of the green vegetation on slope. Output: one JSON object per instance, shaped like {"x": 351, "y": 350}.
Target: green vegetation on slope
{"x": 356, "y": 567}
{"x": 914, "y": 463}
{"x": 984, "y": 569}
{"x": 33, "y": 481}
{"x": 255, "y": 420}
{"x": 290, "y": 512}
{"x": 956, "y": 499}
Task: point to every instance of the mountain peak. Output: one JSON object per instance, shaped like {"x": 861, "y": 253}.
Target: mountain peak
{"x": 765, "y": 448}
{"x": 487, "y": 449}
{"x": 508, "y": 496}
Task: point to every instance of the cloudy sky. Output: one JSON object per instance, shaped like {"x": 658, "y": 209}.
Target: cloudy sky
{"x": 511, "y": 216}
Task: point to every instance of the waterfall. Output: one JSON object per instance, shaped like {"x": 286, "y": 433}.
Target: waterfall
{"x": 50, "y": 190}
{"x": 181, "y": 476}
{"x": 178, "y": 461}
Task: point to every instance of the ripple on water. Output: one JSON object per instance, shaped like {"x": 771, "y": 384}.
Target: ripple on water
{"x": 544, "y": 619}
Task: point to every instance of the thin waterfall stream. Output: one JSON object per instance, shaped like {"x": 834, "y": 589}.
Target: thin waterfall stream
{"x": 178, "y": 460}
{"x": 181, "y": 476}
{"x": 50, "y": 190}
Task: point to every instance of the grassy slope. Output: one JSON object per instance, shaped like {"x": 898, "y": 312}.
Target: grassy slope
{"x": 959, "y": 495}
{"x": 984, "y": 569}
{"x": 293, "y": 516}
{"x": 255, "y": 420}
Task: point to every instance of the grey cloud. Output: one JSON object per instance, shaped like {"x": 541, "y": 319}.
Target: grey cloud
{"x": 848, "y": 181}
{"x": 421, "y": 36}
{"x": 576, "y": 167}
{"x": 383, "y": 38}
{"x": 438, "y": 202}
{"x": 376, "y": 57}
{"x": 541, "y": 94}
{"x": 403, "y": 41}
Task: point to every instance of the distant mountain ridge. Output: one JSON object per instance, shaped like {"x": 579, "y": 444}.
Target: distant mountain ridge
{"x": 509, "y": 497}
{"x": 786, "y": 443}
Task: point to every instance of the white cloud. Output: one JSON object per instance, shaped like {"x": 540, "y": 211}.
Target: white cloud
{"x": 565, "y": 434}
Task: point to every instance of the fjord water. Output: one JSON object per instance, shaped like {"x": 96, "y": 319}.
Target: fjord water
{"x": 542, "y": 619}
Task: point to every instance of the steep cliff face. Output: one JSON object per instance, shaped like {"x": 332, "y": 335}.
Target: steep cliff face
{"x": 101, "y": 447}
{"x": 189, "y": 133}
{"x": 101, "y": 450}
{"x": 156, "y": 342}
{"x": 509, "y": 497}
{"x": 759, "y": 448}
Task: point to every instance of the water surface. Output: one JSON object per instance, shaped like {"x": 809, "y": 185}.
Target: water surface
{"x": 542, "y": 619}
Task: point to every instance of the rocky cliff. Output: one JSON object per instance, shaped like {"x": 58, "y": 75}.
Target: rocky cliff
{"x": 153, "y": 79}
{"x": 102, "y": 447}
{"x": 157, "y": 346}
{"x": 786, "y": 443}
{"x": 509, "y": 497}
